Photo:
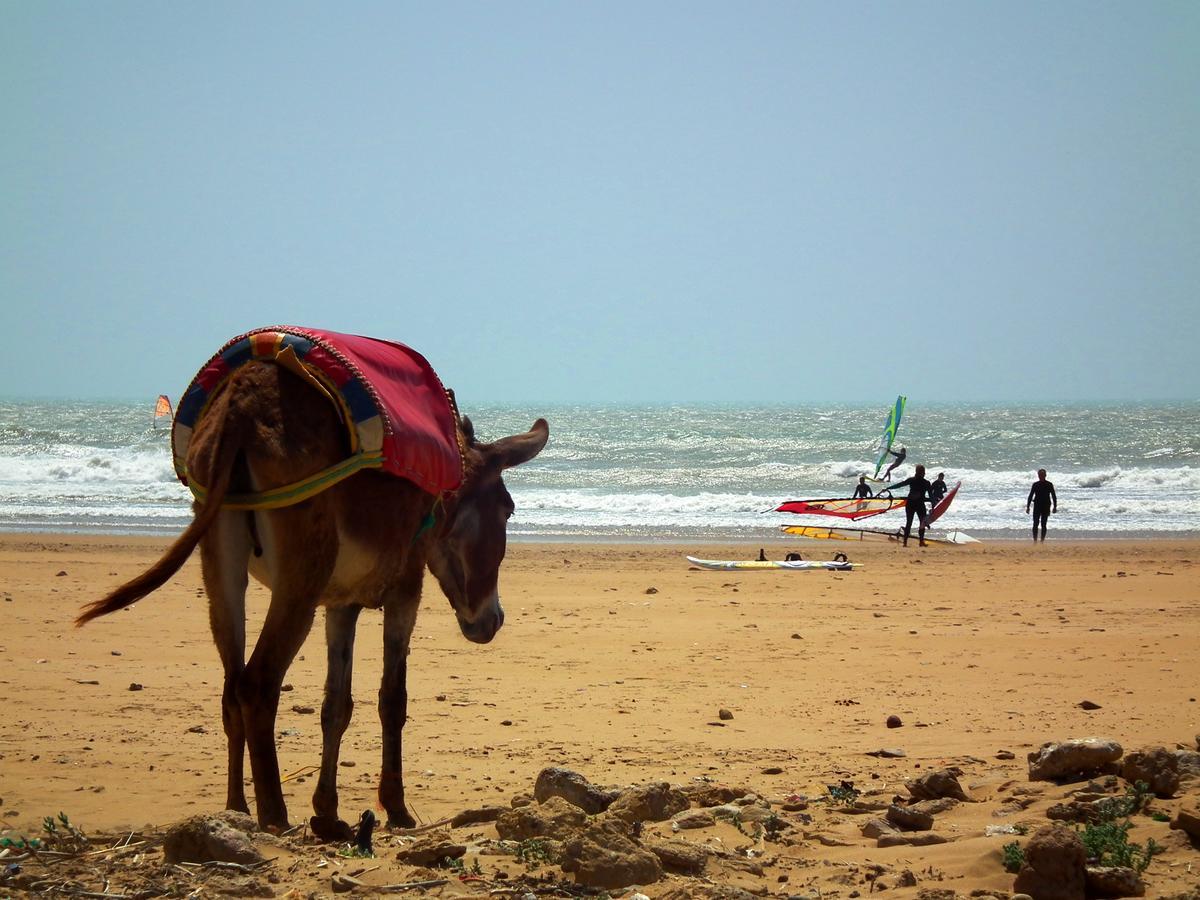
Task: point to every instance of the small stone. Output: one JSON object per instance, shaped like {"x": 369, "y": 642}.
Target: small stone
{"x": 286, "y": 687}
{"x": 343, "y": 884}
{"x": 1188, "y": 821}
{"x": 888, "y": 753}
{"x": 303, "y": 710}
{"x": 1005, "y": 754}
{"x": 894, "y": 722}
{"x": 61, "y": 573}
{"x": 506, "y": 721}
{"x": 724, "y": 715}
{"x": 772, "y": 770}
{"x": 651, "y": 590}
{"x": 348, "y": 763}
{"x": 1089, "y": 705}
{"x": 198, "y": 729}
{"x": 440, "y": 698}
{"x": 134, "y": 686}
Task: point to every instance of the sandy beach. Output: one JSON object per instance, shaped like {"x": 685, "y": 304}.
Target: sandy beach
{"x": 615, "y": 661}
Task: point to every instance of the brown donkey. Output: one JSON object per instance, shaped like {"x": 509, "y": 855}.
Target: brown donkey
{"x": 364, "y": 542}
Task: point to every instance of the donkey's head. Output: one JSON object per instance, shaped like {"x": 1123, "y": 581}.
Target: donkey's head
{"x": 472, "y": 529}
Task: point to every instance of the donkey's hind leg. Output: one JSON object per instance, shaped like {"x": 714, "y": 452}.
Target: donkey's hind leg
{"x": 224, "y": 554}
{"x": 340, "y": 624}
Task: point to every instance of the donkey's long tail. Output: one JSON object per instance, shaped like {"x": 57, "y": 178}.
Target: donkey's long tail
{"x": 220, "y": 473}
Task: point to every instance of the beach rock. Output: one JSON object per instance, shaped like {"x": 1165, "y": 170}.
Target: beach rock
{"x": 1074, "y": 759}
{"x": 1189, "y": 763}
{"x": 477, "y": 816}
{"x": 693, "y": 818}
{"x": 572, "y": 787}
{"x": 724, "y": 715}
{"x": 936, "y": 806}
{"x": 431, "y": 850}
{"x": 679, "y": 856}
{"x": 648, "y": 803}
{"x": 940, "y": 783}
{"x": 911, "y": 839}
{"x": 876, "y": 828}
{"x": 1188, "y": 821}
{"x": 556, "y": 818}
{"x": 700, "y": 891}
{"x": 907, "y": 818}
{"x": 894, "y": 722}
{"x": 1076, "y": 811}
{"x": 202, "y": 839}
{"x": 343, "y": 884}
{"x": 1114, "y": 881}
{"x": 1055, "y": 865}
{"x": 705, "y": 794}
{"x": 603, "y": 856}
{"x": 1158, "y": 767}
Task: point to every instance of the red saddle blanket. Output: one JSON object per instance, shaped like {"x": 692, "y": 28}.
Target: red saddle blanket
{"x": 398, "y": 415}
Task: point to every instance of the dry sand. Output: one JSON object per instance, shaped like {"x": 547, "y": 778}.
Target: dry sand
{"x": 614, "y": 661}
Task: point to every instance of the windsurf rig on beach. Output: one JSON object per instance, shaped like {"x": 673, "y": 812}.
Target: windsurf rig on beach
{"x": 790, "y": 565}
{"x": 842, "y": 507}
{"x": 823, "y": 533}
{"x": 890, "y": 427}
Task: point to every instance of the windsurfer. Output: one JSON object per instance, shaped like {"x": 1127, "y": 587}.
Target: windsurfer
{"x": 887, "y": 476}
{"x": 863, "y": 490}
{"x": 1042, "y": 497}
{"x": 937, "y": 490}
{"x": 918, "y": 490}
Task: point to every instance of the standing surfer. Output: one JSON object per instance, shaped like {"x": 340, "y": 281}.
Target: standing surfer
{"x": 937, "y": 490}
{"x": 887, "y": 476}
{"x": 918, "y": 490}
{"x": 863, "y": 490}
{"x": 1042, "y": 497}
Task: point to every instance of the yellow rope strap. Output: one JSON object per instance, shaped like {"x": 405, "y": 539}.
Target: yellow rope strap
{"x": 298, "y": 491}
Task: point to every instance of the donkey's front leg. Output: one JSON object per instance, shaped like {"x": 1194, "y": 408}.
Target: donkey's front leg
{"x": 399, "y": 617}
{"x": 340, "y": 624}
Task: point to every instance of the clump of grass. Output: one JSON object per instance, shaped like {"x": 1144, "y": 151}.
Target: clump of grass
{"x": 1108, "y": 844}
{"x": 1013, "y": 857}
{"x": 61, "y": 835}
{"x": 533, "y": 852}
{"x": 1107, "y": 841}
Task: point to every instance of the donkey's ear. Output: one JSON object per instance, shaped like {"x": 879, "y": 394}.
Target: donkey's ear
{"x": 468, "y": 430}
{"x": 521, "y": 448}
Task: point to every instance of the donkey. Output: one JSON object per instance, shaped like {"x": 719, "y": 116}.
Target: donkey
{"x": 365, "y": 542}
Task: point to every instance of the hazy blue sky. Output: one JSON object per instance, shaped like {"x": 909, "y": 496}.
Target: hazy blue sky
{"x": 606, "y": 201}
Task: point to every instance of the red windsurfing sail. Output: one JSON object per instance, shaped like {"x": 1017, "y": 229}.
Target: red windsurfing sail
{"x": 942, "y": 505}
{"x": 842, "y": 507}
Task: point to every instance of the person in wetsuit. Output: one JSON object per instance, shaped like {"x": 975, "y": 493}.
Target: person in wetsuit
{"x": 1044, "y": 501}
{"x": 863, "y": 490}
{"x": 937, "y": 490}
{"x": 918, "y": 491}
{"x": 887, "y": 476}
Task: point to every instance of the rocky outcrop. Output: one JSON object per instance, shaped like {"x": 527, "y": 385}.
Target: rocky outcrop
{"x": 1158, "y": 767}
{"x": 572, "y": 787}
{"x": 679, "y": 856}
{"x": 1055, "y": 866}
{"x": 602, "y": 855}
{"x": 201, "y": 839}
{"x": 431, "y": 850}
{"x": 556, "y": 818}
{"x": 937, "y": 784}
{"x": 1073, "y": 760}
{"x": 648, "y": 803}
{"x": 1188, "y": 821}
{"x": 1114, "y": 881}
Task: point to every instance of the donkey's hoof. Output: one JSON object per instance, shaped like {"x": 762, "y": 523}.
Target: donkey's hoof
{"x": 331, "y": 830}
{"x": 401, "y": 820}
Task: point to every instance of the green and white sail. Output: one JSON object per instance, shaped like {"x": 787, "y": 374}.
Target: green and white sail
{"x": 890, "y": 427}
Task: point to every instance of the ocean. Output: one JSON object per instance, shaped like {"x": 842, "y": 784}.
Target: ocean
{"x": 687, "y": 473}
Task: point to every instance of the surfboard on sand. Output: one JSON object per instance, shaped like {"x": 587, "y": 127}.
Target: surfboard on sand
{"x": 796, "y": 565}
